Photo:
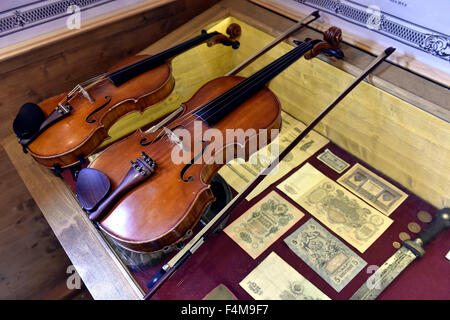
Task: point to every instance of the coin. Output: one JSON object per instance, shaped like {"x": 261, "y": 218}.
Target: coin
{"x": 414, "y": 227}
{"x": 396, "y": 244}
{"x": 403, "y": 236}
{"x": 424, "y": 216}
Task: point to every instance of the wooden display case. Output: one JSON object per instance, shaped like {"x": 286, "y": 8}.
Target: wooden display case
{"x": 396, "y": 121}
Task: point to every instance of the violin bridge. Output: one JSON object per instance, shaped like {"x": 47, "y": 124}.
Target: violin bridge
{"x": 174, "y": 138}
{"x": 86, "y": 94}
{"x": 79, "y": 88}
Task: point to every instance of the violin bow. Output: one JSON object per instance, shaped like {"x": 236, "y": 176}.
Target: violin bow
{"x": 169, "y": 268}
{"x": 302, "y": 23}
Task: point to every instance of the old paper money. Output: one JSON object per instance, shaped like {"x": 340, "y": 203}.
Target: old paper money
{"x": 340, "y": 210}
{"x": 263, "y": 223}
{"x": 238, "y": 174}
{"x": 373, "y": 189}
{"x": 325, "y": 254}
{"x": 221, "y": 292}
{"x": 333, "y": 161}
{"x": 274, "y": 279}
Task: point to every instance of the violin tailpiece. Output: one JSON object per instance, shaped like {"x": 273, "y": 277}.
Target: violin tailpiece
{"x": 92, "y": 189}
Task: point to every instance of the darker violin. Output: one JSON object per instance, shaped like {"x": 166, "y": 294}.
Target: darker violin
{"x": 63, "y": 130}
{"x": 157, "y": 211}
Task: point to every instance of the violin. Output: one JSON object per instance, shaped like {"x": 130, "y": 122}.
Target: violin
{"x": 63, "y": 130}
{"x": 155, "y": 202}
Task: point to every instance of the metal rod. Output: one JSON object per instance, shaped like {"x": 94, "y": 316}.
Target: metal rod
{"x": 170, "y": 267}
{"x": 315, "y": 15}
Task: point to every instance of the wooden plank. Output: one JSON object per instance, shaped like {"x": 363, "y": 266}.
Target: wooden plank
{"x": 32, "y": 263}
{"x": 64, "y": 33}
{"x": 103, "y": 274}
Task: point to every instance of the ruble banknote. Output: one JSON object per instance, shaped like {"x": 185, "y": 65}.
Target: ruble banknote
{"x": 325, "y": 254}
{"x": 340, "y": 210}
{"x": 263, "y": 224}
{"x": 274, "y": 279}
{"x": 373, "y": 189}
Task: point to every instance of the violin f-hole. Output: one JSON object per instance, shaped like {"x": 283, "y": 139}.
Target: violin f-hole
{"x": 98, "y": 109}
{"x": 187, "y": 166}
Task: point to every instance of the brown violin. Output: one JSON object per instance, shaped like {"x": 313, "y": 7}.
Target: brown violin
{"x": 63, "y": 130}
{"x": 153, "y": 203}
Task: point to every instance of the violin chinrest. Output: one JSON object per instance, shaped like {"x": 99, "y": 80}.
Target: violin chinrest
{"x": 28, "y": 120}
{"x": 92, "y": 188}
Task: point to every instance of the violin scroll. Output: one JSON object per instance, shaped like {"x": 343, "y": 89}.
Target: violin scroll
{"x": 330, "y": 46}
{"x": 233, "y": 31}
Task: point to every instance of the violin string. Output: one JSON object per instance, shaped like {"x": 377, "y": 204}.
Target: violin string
{"x": 223, "y": 101}
{"x": 246, "y": 82}
{"x": 241, "y": 87}
{"x": 246, "y": 90}
{"x": 251, "y": 80}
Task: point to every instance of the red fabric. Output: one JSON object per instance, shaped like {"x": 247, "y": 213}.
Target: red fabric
{"x": 221, "y": 260}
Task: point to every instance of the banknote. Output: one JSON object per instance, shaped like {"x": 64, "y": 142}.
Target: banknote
{"x": 373, "y": 189}
{"x": 274, "y": 279}
{"x": 238, "y": 174}
{"x": 333, "y": 161}
{"x": 325, "y": 254}
{"x": 221, "y": 292}
{"x": 340, "y": 210}
{"x": 263, "y": 224}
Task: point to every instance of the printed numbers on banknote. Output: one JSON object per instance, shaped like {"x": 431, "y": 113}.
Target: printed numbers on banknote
{"x": 333, "y": 161}
{"x": 325, "y": 254}
{"x": 263, "y": 224}
{"x": 274, "y": 279}
{"x": 373, "y": 189}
